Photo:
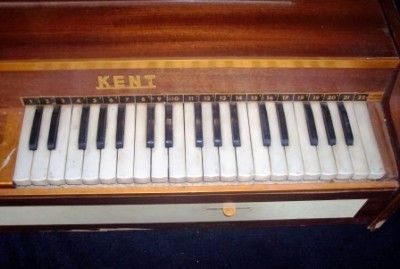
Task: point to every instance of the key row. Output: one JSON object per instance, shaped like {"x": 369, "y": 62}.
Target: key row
{"x": 179, "y": 142}
{"x": 120, "y": 128}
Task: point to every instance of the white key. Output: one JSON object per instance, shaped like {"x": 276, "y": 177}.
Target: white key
{"x": 294, "y": 159}
{"x": 312, "y": 170}
{"x": 142, "y": 161}
{"x": 41, "y": 156}
{"x": 91, "y": 159}
{"x": 342, "y": 155}
{"x": 193, "y": 158}
{"x": 375, "y": 164}
{"x": 262, "y": 169}
{"x": 73, "y": 167}
{"x": 276, "y": 150}
{"x": 356, "y": 150}
{"x": 159, "y": 157}
{"x": 227, "y": 151}
{"x": 108, "y": 155}
{"x": 58, "y": 156}
{"x": 176, "y": 154}
{"x": 244, "y": 154}
{"x": 211, "y": 170}
{"x": 23, "y": 162}
{"x": 325, "y": 152}
{"x": 126, "y": 154}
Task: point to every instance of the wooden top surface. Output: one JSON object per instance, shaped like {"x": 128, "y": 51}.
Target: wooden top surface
{"x": 120, "y": 29}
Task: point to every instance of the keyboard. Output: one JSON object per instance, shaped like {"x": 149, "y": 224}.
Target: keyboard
{"x": 196, "y": 142}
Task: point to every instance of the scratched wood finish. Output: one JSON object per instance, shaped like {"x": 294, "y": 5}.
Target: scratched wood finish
{"x": 313, "y": 28}
{"x": 10, "y": 126}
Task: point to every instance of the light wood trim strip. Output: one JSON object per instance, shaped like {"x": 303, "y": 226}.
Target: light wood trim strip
{"x": 184, "y": 63}
{"x": 203, "y": 189}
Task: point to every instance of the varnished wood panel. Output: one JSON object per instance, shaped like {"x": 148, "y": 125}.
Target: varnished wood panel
{"x": 391, "y": 105}
{"x": 390, "y": 12}
{"x": 274, "y": 28}
{"x": 193, "y": 80}
{"x": 393, "y": 100}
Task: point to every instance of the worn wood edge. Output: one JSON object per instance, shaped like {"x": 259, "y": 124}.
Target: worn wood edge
{"x": 184, "y": 63}
{"x": 12, "y": 121}
{"x": 174, "y": 189}
{"x": 383, "y": 139}
{"x": 385, "y": 214}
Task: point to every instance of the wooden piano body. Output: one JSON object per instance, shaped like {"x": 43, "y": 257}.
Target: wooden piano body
{"x": 291, "y": 49}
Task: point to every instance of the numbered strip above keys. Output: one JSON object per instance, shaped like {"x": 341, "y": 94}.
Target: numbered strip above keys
{"x": 220, "y": 97}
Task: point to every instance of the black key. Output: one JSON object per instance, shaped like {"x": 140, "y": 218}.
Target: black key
{"x": 265, "y": 131}
{"x": 119, "y": 138}
{"x": 55, "y": 119}
{"x": 169, "y": 140}
{"x": 216, "y": 125}
{"x": 150, "y": 126}
{"x": 101, "y": 128}
{"x": 83, "y": 127}
{"x": 235, "y": 125}
{"x": 330, "y": 131}
{"x": 344, "y": 118}
{"x": 312, "y": 130}
{"x": 35, "y": 130}
{"x": 282, "y": 124}
{"x": 198, "y": 125}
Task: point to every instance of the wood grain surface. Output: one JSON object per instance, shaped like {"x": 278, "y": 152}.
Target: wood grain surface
{"x": 105, "y": 29}
{"x": 191, "y": 81}
{"x": 391, "y": 108}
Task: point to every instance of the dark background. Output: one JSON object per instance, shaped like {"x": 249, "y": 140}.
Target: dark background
{"x": 333, "y": 246}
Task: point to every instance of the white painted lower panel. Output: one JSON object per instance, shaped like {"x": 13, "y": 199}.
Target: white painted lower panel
{"x": 179, "y": 213}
